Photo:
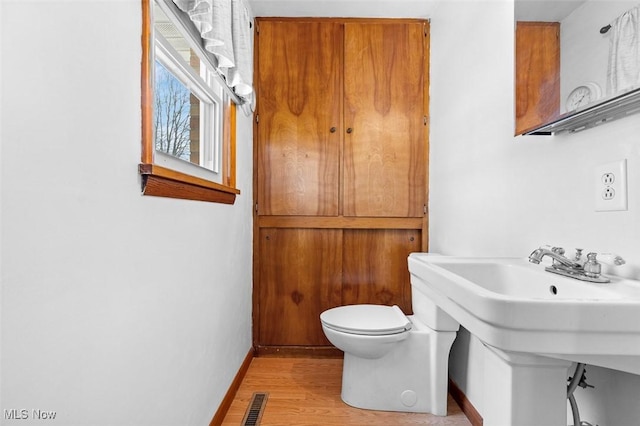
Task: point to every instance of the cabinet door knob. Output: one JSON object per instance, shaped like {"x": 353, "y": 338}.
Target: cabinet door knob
{"x": 349, "y": 130}
{"x": 332, "y": 130}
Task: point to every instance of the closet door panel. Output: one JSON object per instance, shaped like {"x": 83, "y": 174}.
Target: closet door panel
{"x": 300, "y": 276}
{"x": 385, "y": 153}
{"x": 299, "y": 111}
{"x": 375, "y": 268}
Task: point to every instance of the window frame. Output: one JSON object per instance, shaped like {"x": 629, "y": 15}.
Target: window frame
{"x": 200, "y": 86}
{"x": 164, "y": 180}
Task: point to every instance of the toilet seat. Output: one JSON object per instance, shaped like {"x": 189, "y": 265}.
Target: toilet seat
{"x": 369, "y": 320}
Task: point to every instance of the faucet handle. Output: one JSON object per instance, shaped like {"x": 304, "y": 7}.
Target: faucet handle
{"x": 612, "y": 259}
{"x": 578, "y": 255}
{"x": 592, "y": 268}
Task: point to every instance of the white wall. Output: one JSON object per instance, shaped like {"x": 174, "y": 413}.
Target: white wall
{"x": 584, "y": 51}
{"x": 116, "y": 308}
{"x": 493, "y": 194}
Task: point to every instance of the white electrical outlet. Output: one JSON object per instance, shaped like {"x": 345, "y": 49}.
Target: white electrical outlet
{"x": 611, "y": 186}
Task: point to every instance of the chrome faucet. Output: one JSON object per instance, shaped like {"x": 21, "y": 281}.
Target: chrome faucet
{"x": 587, "y": 271}
{"x": 557, "y": 254}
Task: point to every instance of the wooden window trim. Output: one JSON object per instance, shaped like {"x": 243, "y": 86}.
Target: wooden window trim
{"x": 161, "y": 181}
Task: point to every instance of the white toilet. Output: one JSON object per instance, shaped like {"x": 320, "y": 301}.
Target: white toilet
{"x": 392, "y": 362}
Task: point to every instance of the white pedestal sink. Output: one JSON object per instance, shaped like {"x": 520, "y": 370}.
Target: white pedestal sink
{"x": 534, "y": 323}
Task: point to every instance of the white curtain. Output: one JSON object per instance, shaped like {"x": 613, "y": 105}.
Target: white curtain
{"x": 623, "y": 71}
{"x": 225, "y": 27}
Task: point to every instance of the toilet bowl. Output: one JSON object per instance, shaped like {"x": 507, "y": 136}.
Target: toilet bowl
{"x": 392, "y": 362}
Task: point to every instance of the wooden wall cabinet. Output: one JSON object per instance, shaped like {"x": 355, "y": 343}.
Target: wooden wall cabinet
{"x": 537, "y": 74}
{"x": 340, "y": 181}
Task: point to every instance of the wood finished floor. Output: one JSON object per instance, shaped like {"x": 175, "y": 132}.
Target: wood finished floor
{"x": 305, "y": 392}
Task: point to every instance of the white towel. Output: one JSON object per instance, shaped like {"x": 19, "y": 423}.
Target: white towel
{"x": 623, "y": 72}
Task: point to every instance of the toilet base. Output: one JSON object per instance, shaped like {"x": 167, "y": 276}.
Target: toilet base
{"x": 412, "y": 377}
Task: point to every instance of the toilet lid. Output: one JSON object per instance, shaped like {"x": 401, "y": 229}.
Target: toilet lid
{"x": 366, "y": 319}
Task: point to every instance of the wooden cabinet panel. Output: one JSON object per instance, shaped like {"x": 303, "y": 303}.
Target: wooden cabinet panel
{"x": 299, "y": 100}
{"x": 384, "y": 158}
{"x": 375, "y": 267}
{"x": 340, "y": 175}
{"x": 300, "y": 276}
{"x": 537, "y": 74}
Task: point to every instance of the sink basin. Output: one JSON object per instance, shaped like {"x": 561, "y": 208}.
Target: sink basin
{"x": 515, "y": 279}
{"x": 516, "y": 306}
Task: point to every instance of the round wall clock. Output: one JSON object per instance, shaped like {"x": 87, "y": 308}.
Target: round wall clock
{"x": 582, "y": 96}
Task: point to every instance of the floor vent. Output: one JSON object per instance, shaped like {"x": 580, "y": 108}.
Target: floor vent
{"x": 256, "y": 408}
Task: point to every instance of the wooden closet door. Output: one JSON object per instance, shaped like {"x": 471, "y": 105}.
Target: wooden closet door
{"x": 300, "y": 276}
{"x": 299, "y": 113}
{"x": 385, "y": 153}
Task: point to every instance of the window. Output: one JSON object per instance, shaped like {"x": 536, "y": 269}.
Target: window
{"x": 188, "y": 147}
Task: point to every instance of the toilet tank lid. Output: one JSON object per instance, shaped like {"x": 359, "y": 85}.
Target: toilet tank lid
{"x": 366, "y": 319}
